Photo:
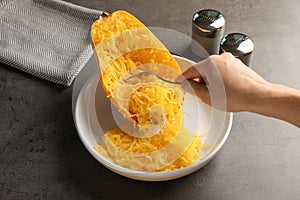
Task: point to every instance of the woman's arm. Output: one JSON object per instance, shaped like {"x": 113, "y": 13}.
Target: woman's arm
{"x": 280, "y": 102}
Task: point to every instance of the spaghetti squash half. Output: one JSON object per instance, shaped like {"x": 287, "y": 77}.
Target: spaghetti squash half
{"x": 123, "y": 45}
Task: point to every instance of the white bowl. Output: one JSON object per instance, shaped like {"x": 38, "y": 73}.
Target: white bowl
{"x": 93, "y": 115}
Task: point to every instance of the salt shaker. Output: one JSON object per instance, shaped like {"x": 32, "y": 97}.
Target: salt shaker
{"x": 207, "y": 31}
{"x": 240, "y": 45}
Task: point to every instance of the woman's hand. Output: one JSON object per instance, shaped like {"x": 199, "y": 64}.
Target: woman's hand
{"x": 244, "y": 89}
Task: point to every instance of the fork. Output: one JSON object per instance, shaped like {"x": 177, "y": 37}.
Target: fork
{"x": 151, "y": 74}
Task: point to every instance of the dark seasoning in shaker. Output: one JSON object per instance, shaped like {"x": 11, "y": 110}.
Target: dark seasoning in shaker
{"x": 207, "y": 31}
{"x": 240, "y": 45}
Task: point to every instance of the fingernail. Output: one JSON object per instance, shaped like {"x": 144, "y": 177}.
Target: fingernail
{"x": 179, "y": 78}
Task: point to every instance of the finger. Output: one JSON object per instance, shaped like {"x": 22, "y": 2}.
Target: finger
{"x": 196, "y": 71}
{"x": 227, "y": 54}
{"x": 190, "y": 74}
{"x": 197, "y": 89}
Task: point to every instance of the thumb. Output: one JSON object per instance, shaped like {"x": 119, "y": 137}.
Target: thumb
{"x": 198, "y": 89}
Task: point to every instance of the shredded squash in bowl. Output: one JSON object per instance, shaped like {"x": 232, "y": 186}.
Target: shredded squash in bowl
{"x": 123, "y": 45}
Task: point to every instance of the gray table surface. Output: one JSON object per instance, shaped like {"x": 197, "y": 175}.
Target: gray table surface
{"x": 42, "y": 157}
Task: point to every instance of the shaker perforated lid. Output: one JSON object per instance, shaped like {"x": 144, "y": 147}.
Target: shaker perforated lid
{"x": 237, "y": 43}
{"x": 208, "y": 23}
{"x": 240, "y": 45}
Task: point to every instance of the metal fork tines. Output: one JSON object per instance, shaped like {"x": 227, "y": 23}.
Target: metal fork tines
{"x": 140, "y": 74}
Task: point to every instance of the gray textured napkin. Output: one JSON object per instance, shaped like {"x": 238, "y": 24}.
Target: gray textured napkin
{"x": 49, "y": 39}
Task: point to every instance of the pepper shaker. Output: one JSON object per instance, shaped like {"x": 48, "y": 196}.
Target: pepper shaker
{"x": 240, "y": 45}
{"x": 207, "y": 31}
